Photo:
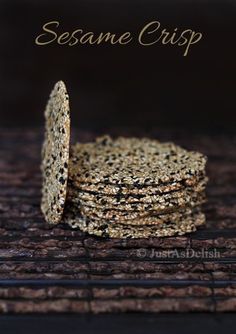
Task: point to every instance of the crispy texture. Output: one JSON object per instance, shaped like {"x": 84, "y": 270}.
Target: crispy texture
{"x": 130, "y": 201}
{"x": 55, "y": 154}
{"x": 160, "y": 206}
{"x": 133, "y": 161}
{"x": 123, "y": 190}
{"x": 135, "y": 189}
{"x": 116, "y": 230}
{"x": 126, "y": 187}
{"x": 151, "y": 219}
{"x": 140, "y": 210}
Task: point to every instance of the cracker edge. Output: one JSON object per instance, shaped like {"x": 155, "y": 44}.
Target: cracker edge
{"x": 56, "y": 217}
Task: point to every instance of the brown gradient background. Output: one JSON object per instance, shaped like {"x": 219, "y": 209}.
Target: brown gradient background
{"x": 127, "y": 85}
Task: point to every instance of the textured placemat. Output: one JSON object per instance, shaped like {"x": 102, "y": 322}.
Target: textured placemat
{"x": 45, "y": 269}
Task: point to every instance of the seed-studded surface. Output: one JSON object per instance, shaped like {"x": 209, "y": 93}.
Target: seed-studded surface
{"x": 121, "y": 161}
{"x": 141, "y": 202}
{"x": 71, "y": 214}
{"x": 45, "y": 268}
{"x": 116, "y": 230}
{"x": 134, "y": 161}
{"x": 132, "y": 189}
{"x": 117, "y": 214}
{"x": 160, "y": 206}
{"x": 55, "y": 154}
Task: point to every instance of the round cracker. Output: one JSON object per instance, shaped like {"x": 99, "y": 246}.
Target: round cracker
{"x": 130, "y": 190}
{"x": 140, "y": 210}
{"x": 133, "y": 161}
{"x": 97, "y": 200}
{"x": 55, "y": 154}
{"x": 106, "y": 229}
{"x": 164, "y": 205}
{"x": 177, "y": 216}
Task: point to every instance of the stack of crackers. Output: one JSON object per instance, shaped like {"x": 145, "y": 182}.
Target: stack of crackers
{"x": 120, "y": 188}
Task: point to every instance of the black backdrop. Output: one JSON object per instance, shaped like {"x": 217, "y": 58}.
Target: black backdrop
{"x": 127, "y": 85}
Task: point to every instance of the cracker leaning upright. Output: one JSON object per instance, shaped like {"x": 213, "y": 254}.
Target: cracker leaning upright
{"x": 55, "y": 154}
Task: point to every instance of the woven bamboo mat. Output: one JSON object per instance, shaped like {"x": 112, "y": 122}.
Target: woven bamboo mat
{"x": 45, "y": 269}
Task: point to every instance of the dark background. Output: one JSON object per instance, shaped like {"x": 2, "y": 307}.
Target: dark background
{"x": 128, "y": 85}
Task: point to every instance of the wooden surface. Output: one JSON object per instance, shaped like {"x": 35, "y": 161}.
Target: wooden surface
{"x": 45, "y": 269}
